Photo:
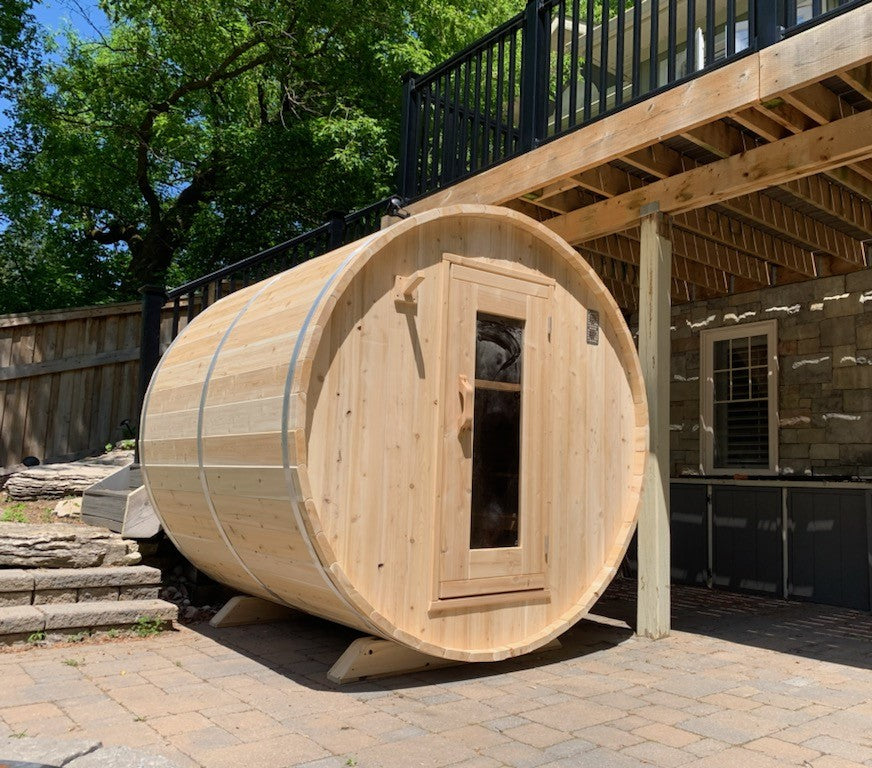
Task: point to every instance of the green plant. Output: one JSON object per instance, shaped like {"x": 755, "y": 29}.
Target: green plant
{"x": 14, "y": 514}
{"x": 72, "y": 662}
{"x": 114, "y": 632}
{"x": 139, "y": 719}
{"x": 126, "y": 445}
{"x": 36, "y": 637}
{"x": 19, "y": 735}
{"x": 351, "y": 761}
{"x": 108, "y": 447}
{"x": 147, "y": 626}
{"x": 78, "y": 637}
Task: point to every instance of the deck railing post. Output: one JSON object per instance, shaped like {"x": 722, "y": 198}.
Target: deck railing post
{"x": 766, "y": 17}
{"x": 408, "y": 138}
{"x": 534, "y": 92}
{"x": 153, "y": 299}
{"x": 335, "y": 229}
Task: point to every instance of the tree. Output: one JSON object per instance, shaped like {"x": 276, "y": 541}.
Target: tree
{"x": 188, "y": 135}
{"x": 16, "y": 40}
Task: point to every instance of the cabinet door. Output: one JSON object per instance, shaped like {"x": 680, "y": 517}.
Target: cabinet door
{"x": 494, "y": 497}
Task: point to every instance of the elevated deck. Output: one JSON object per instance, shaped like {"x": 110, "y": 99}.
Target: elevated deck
{"x": 761, "y": 157}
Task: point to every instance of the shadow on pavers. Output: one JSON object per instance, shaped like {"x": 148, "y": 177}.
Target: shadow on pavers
{"x": 303, "y": 650}
{"x": 820, "y": 632}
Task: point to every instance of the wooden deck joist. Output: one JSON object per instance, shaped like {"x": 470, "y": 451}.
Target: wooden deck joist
{"x": 831, "y": 145}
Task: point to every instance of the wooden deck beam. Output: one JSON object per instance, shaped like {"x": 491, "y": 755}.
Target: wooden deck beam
{"x": 823, "y": 51}
{"x": 666, "y": 162}
{"x": 730, "y": 233}
{"x": 837, "y": 143}
{"x": 814, "y": 190}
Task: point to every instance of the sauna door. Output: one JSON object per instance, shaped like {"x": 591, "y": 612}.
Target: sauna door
{"x": 493, "y": 518}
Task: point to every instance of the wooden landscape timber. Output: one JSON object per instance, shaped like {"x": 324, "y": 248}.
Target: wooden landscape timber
{"x": 764, "y": 166}
{"x": 435, "y": 435}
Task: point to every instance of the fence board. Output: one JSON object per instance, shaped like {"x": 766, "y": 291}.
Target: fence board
{"x": 68, "y": 379}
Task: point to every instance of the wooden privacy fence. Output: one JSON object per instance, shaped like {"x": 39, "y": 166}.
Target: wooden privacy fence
{"x": 68, "y": 379}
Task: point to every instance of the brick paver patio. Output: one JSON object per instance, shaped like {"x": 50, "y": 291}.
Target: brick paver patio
{"x": 742, "y": 682}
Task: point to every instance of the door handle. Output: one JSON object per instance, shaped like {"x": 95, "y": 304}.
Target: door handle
{"x": 466, "y": 400}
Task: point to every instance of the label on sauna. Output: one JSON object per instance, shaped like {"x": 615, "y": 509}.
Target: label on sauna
{"x": 592, "y": 327}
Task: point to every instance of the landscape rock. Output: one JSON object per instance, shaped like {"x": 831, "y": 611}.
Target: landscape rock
{"x": 61, "y": 545}
{"x": 46, "y": 750}
{"x": 54, "y": 481}
{"x": 69, "y": 507}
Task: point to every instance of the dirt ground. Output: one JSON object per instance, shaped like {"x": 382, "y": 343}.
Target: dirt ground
{"x": 31, "y": 511}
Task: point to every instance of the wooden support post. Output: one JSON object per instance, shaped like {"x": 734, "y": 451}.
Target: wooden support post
{"x": 244, "y": 609}
{"x": 653, "y": 618}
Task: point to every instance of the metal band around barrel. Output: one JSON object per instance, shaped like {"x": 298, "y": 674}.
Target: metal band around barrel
{"x": 200, "y": 470}
{"x": 145, "y": 401}
{"x": 286, "y": 419}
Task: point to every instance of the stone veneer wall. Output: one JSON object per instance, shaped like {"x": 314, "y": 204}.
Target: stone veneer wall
{"x": 824, "y": 379}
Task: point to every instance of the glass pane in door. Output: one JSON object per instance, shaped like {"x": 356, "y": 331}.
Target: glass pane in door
{"x": 496, "y": 447}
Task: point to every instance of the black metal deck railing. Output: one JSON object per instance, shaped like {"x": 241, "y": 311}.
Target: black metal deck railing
{"x": 562, "y": 63}
{"x": 193, "y": 297}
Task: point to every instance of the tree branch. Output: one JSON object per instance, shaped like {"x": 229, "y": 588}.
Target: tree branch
{"x": 116, "y": 232}
{"x": 45, "y": 194}
{"x": 146, "y": 127}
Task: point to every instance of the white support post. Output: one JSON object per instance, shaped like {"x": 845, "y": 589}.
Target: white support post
{"x": 653, "y": 619}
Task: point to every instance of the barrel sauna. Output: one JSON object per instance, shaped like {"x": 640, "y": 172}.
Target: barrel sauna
{"x": 435, "y": 435}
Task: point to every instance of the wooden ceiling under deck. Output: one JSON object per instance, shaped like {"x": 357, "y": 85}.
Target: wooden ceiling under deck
{"x": 764, "y": 167}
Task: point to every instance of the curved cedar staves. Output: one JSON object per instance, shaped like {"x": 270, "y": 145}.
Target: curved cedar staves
{"x": 425, "y": 435}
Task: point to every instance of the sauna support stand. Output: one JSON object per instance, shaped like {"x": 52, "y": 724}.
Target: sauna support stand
{"x": 244, "y": 609}
{"x": 371, "y": 657}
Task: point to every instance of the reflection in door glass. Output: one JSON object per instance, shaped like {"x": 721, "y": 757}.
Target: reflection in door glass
{"x": 496, "y": 448}
{"x": 498, "y": 344}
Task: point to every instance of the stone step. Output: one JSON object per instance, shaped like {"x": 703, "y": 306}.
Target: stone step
{"x": 20, "y": 622}
{"x": 41, "y": 586}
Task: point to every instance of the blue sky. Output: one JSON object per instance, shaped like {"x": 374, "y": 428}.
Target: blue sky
{"x": 56, "y": 15}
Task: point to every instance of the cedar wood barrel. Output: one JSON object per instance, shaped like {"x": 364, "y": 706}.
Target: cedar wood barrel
{"x": 435, "y": 435}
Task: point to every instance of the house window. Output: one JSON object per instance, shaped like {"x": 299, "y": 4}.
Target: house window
{"x": 739, "y": 399}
